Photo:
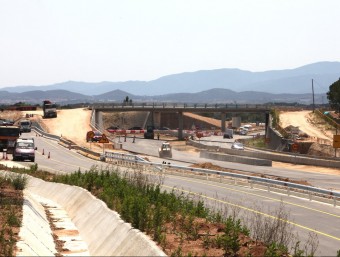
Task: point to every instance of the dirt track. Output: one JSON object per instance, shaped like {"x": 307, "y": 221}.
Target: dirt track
{"x": 300, "y": 119}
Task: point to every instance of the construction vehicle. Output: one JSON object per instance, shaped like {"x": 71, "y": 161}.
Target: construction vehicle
{"x": 50, "y": 109}
{"x": 8, "y": 136}
{"x": 149, "y": 134}
{"x": 165, "y": 150}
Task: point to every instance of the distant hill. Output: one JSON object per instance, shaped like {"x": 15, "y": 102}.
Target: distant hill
{"x": 289, "y": 81}
{"x": 38, "y": 96}
{"x": 216, "y": 95}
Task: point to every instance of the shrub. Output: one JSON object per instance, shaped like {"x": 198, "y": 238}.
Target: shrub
{"x": 19, "y": 182}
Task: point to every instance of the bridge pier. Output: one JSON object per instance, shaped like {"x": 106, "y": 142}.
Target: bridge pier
{"x": 223, "y": 121}
{"x": 180, "y": 125}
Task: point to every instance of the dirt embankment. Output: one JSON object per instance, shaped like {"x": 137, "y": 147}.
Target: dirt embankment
{"x": 316, "y": 128}
{"x": 72, "y": 124}
{"x": 307, "y": 123}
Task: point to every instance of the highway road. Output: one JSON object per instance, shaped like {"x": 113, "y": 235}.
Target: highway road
{"x": 182, "y": 157}
{"x": 305, "y": 216}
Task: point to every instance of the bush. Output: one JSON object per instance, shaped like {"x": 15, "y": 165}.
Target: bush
{"x": 19, "y": 182}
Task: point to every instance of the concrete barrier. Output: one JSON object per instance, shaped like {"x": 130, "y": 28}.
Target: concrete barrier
{"x": 35, "y": 227}
{"x": 105, "y": 233}
{"x": 275, "y": 156}
{"x": 235, "y": 158}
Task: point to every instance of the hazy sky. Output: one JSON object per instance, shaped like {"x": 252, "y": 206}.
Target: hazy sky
{"x": 49, "y": 41}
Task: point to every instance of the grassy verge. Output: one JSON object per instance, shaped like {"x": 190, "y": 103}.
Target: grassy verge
{"x": 181, "y": 224}
{"x": 11, "y": 202}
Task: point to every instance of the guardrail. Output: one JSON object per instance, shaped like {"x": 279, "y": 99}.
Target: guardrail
{"x": 129, "y": 160}
{"x": 179, "y": 105}
{"x": 324, "y": 195}
{"x": 38, "y": 129}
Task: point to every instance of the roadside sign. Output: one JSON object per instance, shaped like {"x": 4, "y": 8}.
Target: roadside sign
{"x": 295, "y": 147}
{"x": 336, "y": 141}
{"x": 90, "y": 134}
{"x": 103, "y": 139}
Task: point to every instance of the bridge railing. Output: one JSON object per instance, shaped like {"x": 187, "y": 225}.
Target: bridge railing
{"x": 309, "y": 192}
{"x": 177, "y": 105}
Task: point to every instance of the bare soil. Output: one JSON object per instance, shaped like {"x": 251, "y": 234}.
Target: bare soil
{"x": 72, "y": 124}
{"x": 307, "y": 123}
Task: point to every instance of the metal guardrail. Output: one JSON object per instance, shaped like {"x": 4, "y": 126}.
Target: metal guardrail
{"x": 135, "y": 160}
{"x": 179, "y": 105}
{"x": 39, "y": 130}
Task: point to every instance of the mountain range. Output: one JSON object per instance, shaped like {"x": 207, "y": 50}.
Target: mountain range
{"x": 221, "y": 85}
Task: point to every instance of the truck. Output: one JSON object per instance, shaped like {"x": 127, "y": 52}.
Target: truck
{"x": 149, "y": 134}
{"x": 228, "y": 133}
{"x": 49, "y": 109}
{"x": 8, "y": 136}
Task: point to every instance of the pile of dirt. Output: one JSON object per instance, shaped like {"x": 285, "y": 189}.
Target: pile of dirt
{"x": 321, "y": 150}
{"x": 10, "y": 115}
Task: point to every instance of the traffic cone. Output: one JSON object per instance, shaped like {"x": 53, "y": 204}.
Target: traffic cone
{"x": 43, "y": 153}
{"x": 48, "y": 155}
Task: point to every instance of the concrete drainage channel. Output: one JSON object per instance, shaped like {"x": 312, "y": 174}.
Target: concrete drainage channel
{"x": 85, "y": 223}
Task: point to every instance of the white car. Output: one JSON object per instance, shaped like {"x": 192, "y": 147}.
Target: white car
{"x": 237, "y": 146}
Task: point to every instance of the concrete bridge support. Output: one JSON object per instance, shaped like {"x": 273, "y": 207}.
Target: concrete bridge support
{"x": 180, "y": 125}
{"x": 222, "y": 121}
{"x": 156, "y": 119}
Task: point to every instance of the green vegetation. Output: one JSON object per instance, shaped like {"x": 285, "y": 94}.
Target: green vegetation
{"x": 256, "y": 142}
{"x": 333, "y": 96}
{"x": 11, "y": 202}
{"x": 276, "y": 117}
{"x": 140, "y": 200}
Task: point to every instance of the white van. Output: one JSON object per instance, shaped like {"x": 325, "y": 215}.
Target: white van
{"x": 25, "y": 125}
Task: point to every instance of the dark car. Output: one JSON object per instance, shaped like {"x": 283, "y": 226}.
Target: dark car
{"x": 164, "y": 128}
{"x": 226, "y": 135}
{"x": 243, "y": 132}
{"x": 135, "y": 128}
{"x": 112, "y": 129}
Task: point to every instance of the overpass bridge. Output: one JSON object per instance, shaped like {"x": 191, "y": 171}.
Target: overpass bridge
{"x": 157, "y": 108}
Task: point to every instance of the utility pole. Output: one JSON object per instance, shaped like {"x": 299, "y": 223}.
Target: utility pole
{"x": 313, "y": 96}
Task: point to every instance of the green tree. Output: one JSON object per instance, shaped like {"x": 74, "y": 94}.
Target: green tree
{"x": 333, "y": 95}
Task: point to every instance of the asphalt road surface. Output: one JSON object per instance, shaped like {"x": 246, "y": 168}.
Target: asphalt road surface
{"x": 305, "y": 216}
{"x": 150, "y": 148}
